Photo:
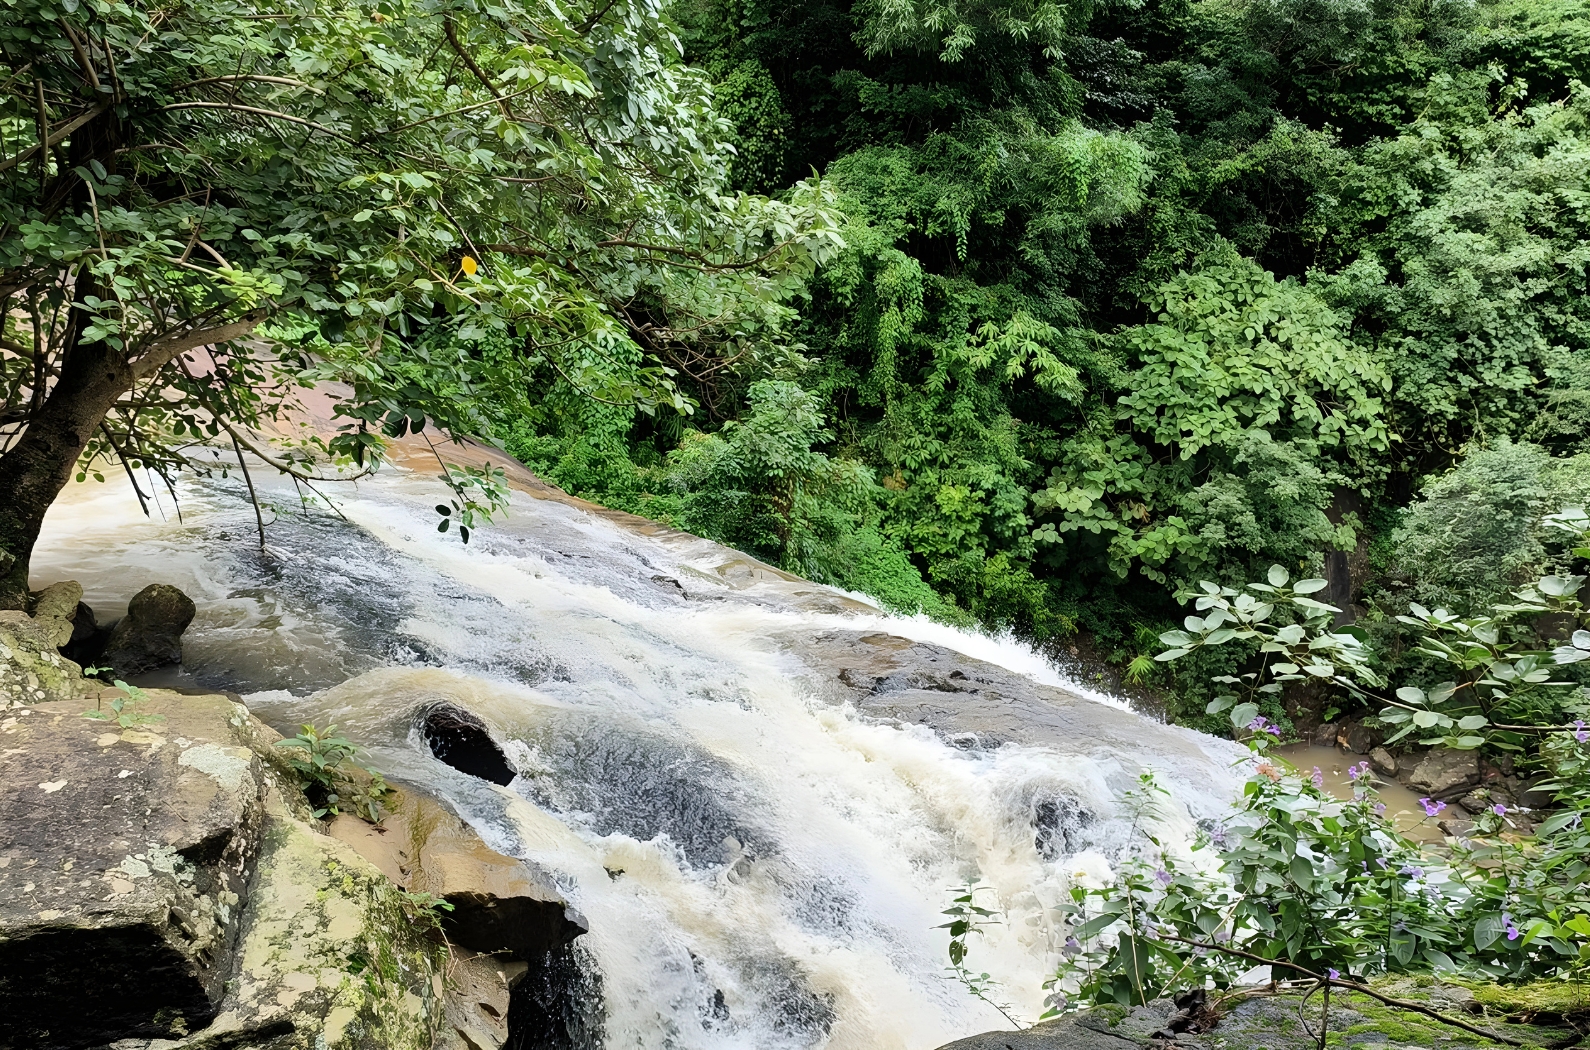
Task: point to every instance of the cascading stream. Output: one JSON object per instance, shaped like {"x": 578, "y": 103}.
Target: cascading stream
{"x": 761, "y": 864}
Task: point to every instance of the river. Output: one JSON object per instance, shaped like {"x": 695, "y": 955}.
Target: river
{"x": 762, "y": 849}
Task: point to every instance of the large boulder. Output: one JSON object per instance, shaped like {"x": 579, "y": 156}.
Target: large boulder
{"x": 150, "y": 635}
{"x": 131, "y": 847}
{"x": 31, "y": 670}
{"x": 1444, "y": 773}
{"x": 504, "y": 918}
{"x": 162, "y": 884}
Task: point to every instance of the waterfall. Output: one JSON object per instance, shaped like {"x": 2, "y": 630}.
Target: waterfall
{"x": 762, "y": 859}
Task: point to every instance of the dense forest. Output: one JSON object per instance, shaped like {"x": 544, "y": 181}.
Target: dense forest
{"x": 1133, "y": 295}
{"x": 1023, "y": 315}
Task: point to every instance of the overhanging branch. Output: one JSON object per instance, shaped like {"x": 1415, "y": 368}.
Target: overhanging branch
{"x": 160, "y": 352}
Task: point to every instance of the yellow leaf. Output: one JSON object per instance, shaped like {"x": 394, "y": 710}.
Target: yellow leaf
{"x": 470, "y": 265}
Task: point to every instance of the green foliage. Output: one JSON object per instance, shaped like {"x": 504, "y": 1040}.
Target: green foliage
{"x": 1329, "y": 888}
{"x": 121, "y": 707}
{"x": 1476, "y": 532}
{"x": 1244, "y": 384}
{"x": 331, "y": 779}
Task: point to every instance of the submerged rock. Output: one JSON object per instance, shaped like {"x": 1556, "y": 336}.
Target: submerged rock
{"x": 31, "y": 670}
{"x": 150, "y": 635}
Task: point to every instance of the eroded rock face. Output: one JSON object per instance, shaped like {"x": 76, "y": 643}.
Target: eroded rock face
{"x": 161, "y": 886}
{"x": 331, "y": 955}
{"x": 504, "y": 921}
{"x": 31, "y": 670}
{"x": 131, "y": 847}
{"x": 150, "y": 635}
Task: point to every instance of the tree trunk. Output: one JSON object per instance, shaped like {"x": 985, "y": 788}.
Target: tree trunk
{"x": 38, "y": 467}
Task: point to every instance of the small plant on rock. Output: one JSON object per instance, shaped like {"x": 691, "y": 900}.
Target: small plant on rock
{"x": 324, "y": 763}
{"x": 121, "y": 707}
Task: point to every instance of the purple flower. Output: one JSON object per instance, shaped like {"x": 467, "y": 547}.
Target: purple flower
{"x": 1499, "y": 809}
{"x": 1163, "y": 877}
{"x": 1334, "y": 973}
{"x": 1409, "y": 869}
{"x": 1360, "y": 770}
{"x": 1318, "y": 778}
{"x": 1579, "y": 732}
{"x": 1072, "y": 947}
{"x": 1431, "y": 808}
{"x": 1512, "y": 931}
{"x": 1260, "y": 724}
{"x": 1380, "y": 809}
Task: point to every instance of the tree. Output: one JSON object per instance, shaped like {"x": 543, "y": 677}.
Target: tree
{"x": 207, "y": 206}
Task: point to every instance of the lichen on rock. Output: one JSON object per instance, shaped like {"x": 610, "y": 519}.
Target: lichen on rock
{"x": 31, "y": 670}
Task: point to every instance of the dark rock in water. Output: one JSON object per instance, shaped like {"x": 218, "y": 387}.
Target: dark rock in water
{"x": 150, "y": 635}
{"x": 84, "y": 624}
{"x": 125, "y": 855}
{"x": 462, "y": 740}
{"x": 1358, "y": 738}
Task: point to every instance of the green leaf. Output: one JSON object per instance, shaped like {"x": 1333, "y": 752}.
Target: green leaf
{"x": 1488, "y": 929}
{"x": 1277, "y": 576}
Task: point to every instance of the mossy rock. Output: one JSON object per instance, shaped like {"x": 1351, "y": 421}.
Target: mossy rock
{"x": 1282, "y": 1021}
{"x": 1538, "y": 1000}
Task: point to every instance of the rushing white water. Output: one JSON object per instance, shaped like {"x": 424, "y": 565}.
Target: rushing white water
{"x": 760, "y": 866}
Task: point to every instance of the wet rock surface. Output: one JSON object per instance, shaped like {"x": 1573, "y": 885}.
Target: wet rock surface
{"x": 150, "y": 635}
{"x": 973, "y": 704}
{"x": 1443, "y": 773}
{"x": 499, "y": 904}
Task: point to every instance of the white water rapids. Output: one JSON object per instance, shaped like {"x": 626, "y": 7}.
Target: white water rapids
{"x": 760, "y": 865}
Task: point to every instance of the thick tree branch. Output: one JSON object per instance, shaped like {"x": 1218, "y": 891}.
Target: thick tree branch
{"x": 160, "y": 352}
{"x": 55, "y": 137}
{"x": 469, "y": 60}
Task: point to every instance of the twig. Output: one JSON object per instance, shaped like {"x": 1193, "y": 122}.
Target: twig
{"x": 259, "y": 518}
